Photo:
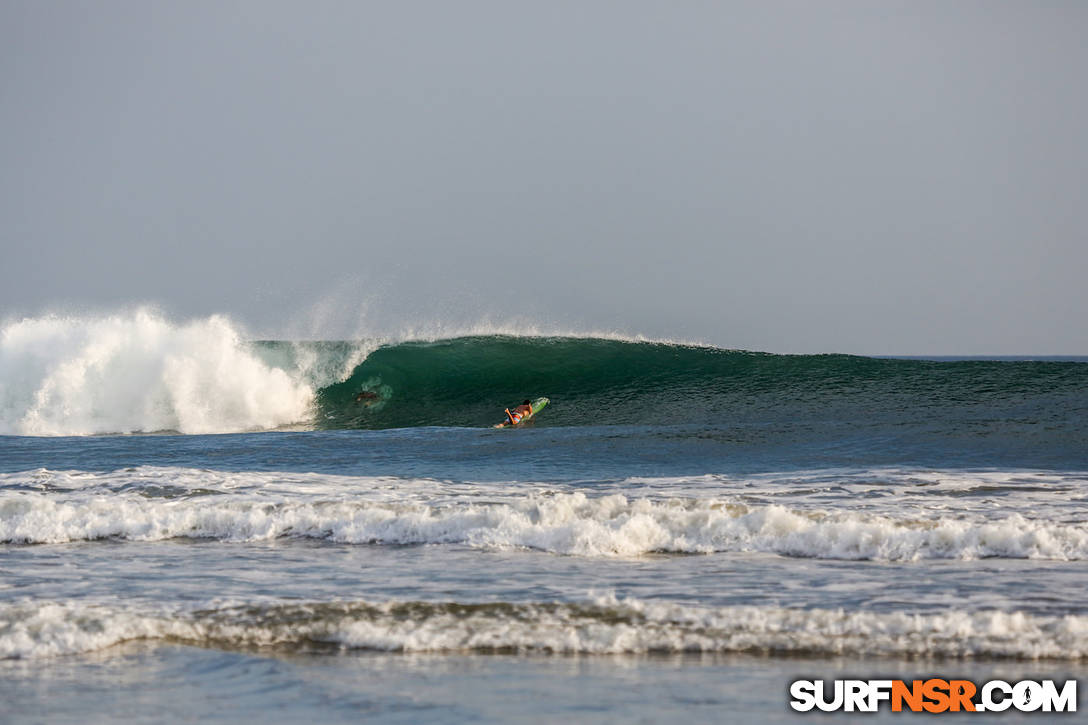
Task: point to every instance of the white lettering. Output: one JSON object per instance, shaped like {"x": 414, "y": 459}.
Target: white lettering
{"x": 855, "y": 695}
{"x": 988, "y": 701}
{"x": 1027, "y": 696}
{"x": 821, "y": 697}
{"x": 1065, "y": 701}
{"x": 879, "y": 690}
{"x": 803, "y": 693}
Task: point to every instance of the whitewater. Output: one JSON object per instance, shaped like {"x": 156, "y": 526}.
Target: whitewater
{"x": 137, "y": 372}
{"x": 683, "y": 526}
{"x": 150, "y": 504}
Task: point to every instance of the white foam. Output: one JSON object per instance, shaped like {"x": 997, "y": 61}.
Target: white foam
{"x": 137, "y": 371}
{"x": 604, "y": 625}
{"x": 359, "y": 510}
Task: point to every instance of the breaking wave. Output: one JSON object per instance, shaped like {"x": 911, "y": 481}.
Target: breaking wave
{"x": 602, "y": 625}
{"x": 153, "y": 504}
{"x": 138, "y": 372}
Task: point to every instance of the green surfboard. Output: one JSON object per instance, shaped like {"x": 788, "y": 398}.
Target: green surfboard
{"x": 534, "y": 406}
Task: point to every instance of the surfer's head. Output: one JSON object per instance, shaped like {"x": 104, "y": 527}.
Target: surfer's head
{"x": 526, "y": 402}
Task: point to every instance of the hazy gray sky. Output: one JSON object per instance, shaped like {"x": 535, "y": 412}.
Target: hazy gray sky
{"x": 872, "y": 177}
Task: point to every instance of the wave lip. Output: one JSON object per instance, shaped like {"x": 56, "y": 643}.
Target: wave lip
{"x": 571, "y": 524}
{"x": 602, "y": 625}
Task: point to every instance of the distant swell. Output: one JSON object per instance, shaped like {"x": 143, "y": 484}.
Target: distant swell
{"x": 600, "y": 626}
{"x": 568, "y": 524}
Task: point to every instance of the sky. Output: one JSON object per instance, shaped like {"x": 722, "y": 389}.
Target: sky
{"x": 868, "y": 177}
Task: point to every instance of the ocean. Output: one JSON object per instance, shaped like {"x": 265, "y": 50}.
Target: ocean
{"x": 197, "y": 526}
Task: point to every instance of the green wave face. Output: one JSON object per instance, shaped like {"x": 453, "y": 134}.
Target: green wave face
{"x": 469, "y": 381}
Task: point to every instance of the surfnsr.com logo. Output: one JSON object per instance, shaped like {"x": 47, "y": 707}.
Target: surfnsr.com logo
{"x": 933, "y": 695}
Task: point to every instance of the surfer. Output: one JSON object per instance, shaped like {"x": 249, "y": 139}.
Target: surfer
{"x": 520, "y": 413}
{"x": 523, "y": 413}
{"x": 369, "y": 396}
